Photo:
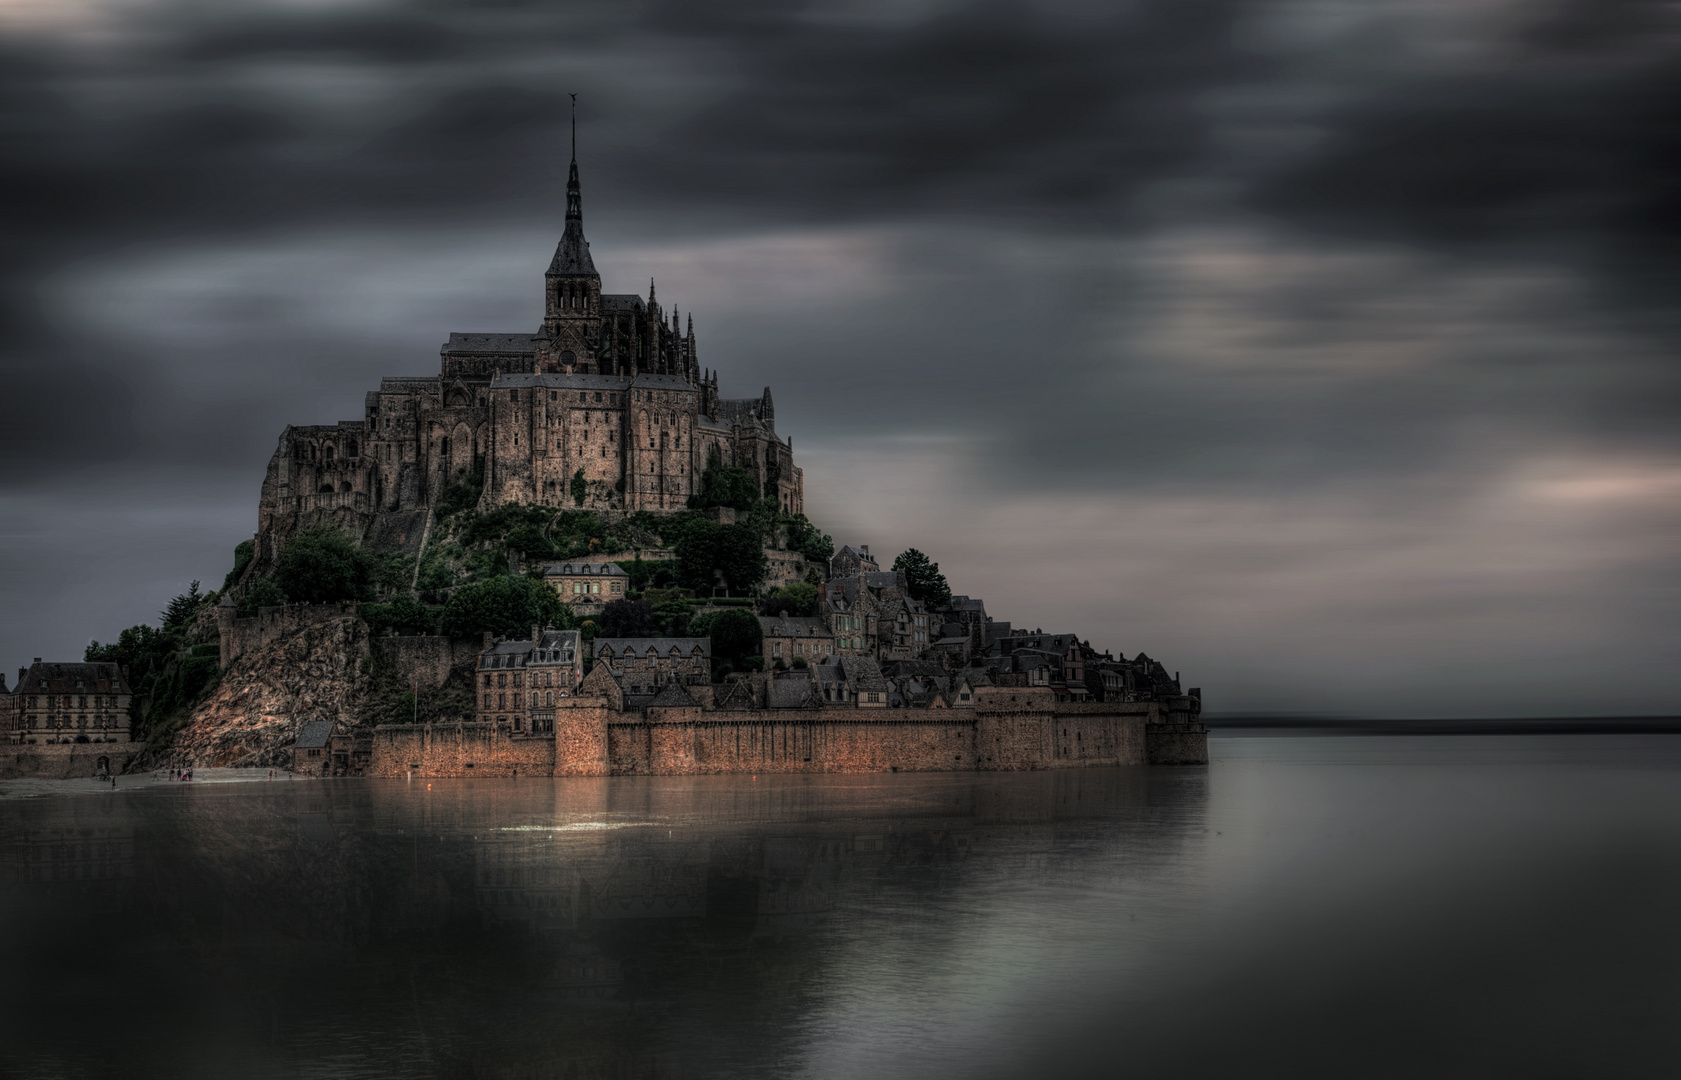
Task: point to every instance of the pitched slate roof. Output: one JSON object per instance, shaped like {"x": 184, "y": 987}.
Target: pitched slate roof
{"x": 555, "y": 380}
{"x": 738, "y": 695}
{"x": 672, "y": 695}
{"x": 599, "y": 569}
{"x": 862, "y": 672}
{"x": 511, "y": 654}
{"x": 793, "y": 626}
{"x": 663, "y": 646}
{"x": 662, "y": 382}
{"x": 503, "y": 344}
{"x": 408, "y": 384}
{"x": 314, "y": 735}
{"x": 616, "y": 302}
{"x": 78, "y": 675}
{"x": 572, "y": 254}
{"x": 743, "y": 411}
{"x": 792, "y": 694}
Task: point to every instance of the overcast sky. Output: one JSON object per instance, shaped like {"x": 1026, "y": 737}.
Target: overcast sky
{"x": 1324, "y": 350}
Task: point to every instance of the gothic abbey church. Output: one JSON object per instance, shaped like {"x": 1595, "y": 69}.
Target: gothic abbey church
{"x": 607, "y": 400}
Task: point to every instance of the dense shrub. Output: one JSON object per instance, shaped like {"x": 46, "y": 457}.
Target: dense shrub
{"x": 506, "y": 606}
{"x": 798, "y": 599}
{"x": 322, "y": 565}
{"x": 735, "y": 633}
{"x": 708, "y": 550}
{"x": 403, "y": 615}
{"x": 627, "y": 618}
{"x": 264, "y": 592}
{"x": 804, "y": 538}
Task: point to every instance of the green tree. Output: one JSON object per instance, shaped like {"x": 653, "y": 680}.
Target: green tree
{"x": 923, "y": 579}
{"x": 798, "y": 599}
{"x": 628, "y": 618}
{"x": 264, "y": 592}
{"x": 529, "y": 541}
{"x": 734, "y": 632}
{"x": 180, "y": 610}
{"x": 506, "y": 606}
{"x": 708, "y": 548}
{"x": 580, "y": 487}
{"x": 803, "y": 536}
{"x": 322, "y": 565}
{"x": 403, "y": 615}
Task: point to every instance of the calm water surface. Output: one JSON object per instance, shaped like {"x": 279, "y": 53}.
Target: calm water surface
{"x": 1303, "y": 907}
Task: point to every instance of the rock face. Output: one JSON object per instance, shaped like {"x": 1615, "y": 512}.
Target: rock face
{"x": 265, "y": 696}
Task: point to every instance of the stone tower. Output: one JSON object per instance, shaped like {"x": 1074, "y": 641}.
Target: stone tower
{"x": 572, "y": 289}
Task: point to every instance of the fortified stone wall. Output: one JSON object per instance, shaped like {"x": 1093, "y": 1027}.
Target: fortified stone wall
{"x": 66, "y": 761}
{"x": 1177, "y": 744}
{"x": 426, "y": 660}
{"x": 1022, "y": 730}
{"x": 467, "y": 749}
{"x": 270, "y": 624}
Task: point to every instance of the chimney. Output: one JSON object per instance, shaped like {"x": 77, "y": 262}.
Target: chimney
{"x": 37, "y": 659}
{"x": 489, "y": 639}
{"x": 536, "y": 635}
{"x": 864, "y": 550}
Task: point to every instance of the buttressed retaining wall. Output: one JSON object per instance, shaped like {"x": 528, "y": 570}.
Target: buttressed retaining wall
{"x": 1008, "y": 729}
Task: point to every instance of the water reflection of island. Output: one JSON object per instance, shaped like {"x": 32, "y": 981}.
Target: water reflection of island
{"x": 643, "y": 927}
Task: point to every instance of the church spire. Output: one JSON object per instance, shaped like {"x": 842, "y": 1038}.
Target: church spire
{"x": 574, "y": 199}
{"x": 572, "y": 257}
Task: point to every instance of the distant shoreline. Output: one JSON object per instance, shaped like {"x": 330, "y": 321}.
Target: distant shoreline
{"x": 1285, "y": 724}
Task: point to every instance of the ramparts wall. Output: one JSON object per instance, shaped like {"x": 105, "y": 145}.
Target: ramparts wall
{"x": 1008, "y": 730}
{"x": 240, "y": 636}
{"x": 65, "y": 761}
{"x": 426, "y": 660}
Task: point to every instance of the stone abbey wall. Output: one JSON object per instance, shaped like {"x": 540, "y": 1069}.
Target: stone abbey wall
{"x": 240, "y": 636}
{"x": 1008, "y": 730}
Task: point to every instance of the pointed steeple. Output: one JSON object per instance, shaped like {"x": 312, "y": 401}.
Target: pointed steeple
{"x": 574, "y": 196}
{"x": 573, "y": 254}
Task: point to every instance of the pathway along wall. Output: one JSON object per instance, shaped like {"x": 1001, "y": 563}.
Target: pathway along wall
{"x": 1008, "y": 729}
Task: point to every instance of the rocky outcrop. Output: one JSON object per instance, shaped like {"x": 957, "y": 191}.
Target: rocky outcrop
{"x": 265, "y": 696}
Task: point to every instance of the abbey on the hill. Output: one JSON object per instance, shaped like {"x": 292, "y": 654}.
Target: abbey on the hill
{"x": 606, "y": 407}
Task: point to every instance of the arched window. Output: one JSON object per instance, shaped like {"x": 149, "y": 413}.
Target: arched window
{"x": 344, "y": 485}
{"x": 354, "y": 449}
{"x": 328, "y": 452}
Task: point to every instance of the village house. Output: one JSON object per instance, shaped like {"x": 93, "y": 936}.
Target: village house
{"x": 853, "y": 680}
{"x": 312, "y": 753}
{"x": 789, "y": 638}
{"x": 84, "y": 702}
{"x": 587, "y": 586}
{"x": 851, "y": 561}
{"x": 644, "y": 665}
{"x": 520, "y": 681}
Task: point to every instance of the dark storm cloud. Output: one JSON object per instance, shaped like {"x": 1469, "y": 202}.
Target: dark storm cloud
{"x": 1272, "y": 304}
{"x": 200, "y": 122}
{"x": 1570, "y": 136}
